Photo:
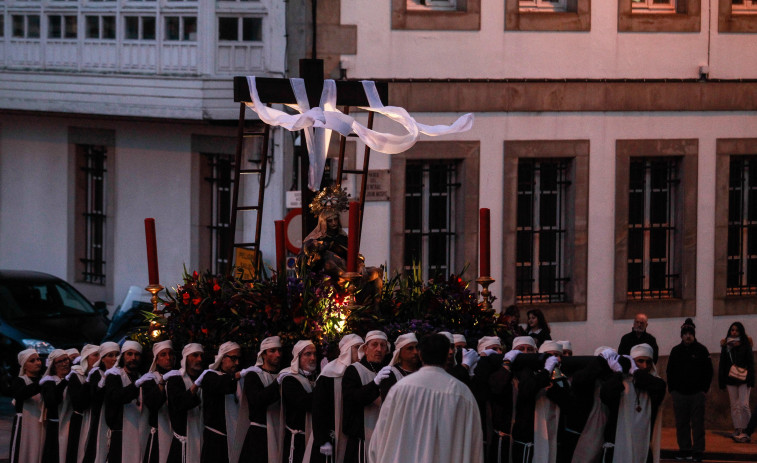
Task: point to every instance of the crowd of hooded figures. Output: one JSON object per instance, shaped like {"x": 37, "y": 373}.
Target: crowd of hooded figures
{"x": 376, "y": 401}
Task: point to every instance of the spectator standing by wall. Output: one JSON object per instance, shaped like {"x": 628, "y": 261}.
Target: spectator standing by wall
{"x": 689, "y": 376}
{"x": 736, "y": 350}
{"x": 638, "y": 335}
{"x": 537, "y": 327}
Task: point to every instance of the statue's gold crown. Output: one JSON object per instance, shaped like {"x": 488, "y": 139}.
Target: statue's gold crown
{"x": 330, "y": 199}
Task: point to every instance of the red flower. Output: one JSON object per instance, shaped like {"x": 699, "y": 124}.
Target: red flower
{"x": 204, "y": 330}
{"x": 195, "y": 275}
{"x": 185, "y": 297}
{"x": 216, "y": 288}
{"x": 196, "y": 301}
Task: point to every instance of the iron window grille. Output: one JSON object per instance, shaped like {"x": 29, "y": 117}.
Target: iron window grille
{"x": 744, "y": 6}
{"x": 541, "y": 231}
{"x": 430, "y": 211}
{"x": 221, "y": 179}
{"x": 652, "y": 228}
{"x": 94, "y": 168}
{"x": 742, "y": 226}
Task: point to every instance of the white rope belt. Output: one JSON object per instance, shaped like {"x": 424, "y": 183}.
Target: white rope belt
{"x": 183, "y": 441}
{"x": 605, "y": 447}
{"x": 215, "y": 431}
{"x": 291, "y": 441}
{"x": 500, "y": 436}
{"x": 53, "y": 420}
{"x": 527, "y": 449}
{"x": 259, "y": 425}
{"x": 16, "y": 433}
{"x": 572, "y": 431}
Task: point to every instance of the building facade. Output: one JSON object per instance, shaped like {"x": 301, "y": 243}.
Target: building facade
{"x": 112, "y": 111}
{"x": 613, "y": 143}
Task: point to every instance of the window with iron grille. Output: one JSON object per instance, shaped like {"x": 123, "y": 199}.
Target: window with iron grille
{"x": 92, "y": 163}
{"x": 541, "y": 230}
{"x": 742, "y": 226}
{"x": 653, "y": 6}
{"x": 430, "y": 208}
{"x": 219, "y": 174}
{"x": 652, "y": 228}
{"x": 745, "y": 6}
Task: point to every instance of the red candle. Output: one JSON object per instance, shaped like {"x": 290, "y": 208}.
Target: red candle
{"x": 280, "y": 245}
{"x": 152, "y": 252}
{"x": 352, "y": 238}
{"x": 485, "y": 236}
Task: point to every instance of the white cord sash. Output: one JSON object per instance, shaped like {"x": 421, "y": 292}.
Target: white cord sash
{"x": 318, "y": 123}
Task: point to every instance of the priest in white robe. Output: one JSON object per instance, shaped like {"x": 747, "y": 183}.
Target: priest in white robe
{"x": 429, "y": 415}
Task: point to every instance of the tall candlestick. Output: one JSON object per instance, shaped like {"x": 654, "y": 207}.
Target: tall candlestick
{"x": 485, "y": 236}
{"x": 280, "y": 245}
{"x": 352, "y": 237}
{"x": 152, "y": 252}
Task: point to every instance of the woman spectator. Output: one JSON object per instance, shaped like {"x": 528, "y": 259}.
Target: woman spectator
{"x": 736, "y": 349}
{"x": 537, "y": 327}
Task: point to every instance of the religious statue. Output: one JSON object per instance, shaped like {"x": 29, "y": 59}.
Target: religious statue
{"x": 325, "y": 248}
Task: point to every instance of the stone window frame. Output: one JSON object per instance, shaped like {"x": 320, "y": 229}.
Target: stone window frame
{"x": 466, "y": 18}
{"x": 468, "y": 153}
{"x": 576, "y": 246}
{"x": 77, "y": 205}
{"x": 722, "y": 304}
{"x": 729, "y": 22}
{"x": 578, "y": 18}
{"x": 688, "y": 151}
{"x": 687, "y": 18}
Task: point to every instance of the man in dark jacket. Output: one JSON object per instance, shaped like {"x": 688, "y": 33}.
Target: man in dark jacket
{"x": 638, "y": 335}
{"x": 689, "y": 376}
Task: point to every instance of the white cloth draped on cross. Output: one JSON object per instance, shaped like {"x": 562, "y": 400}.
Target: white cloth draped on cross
{"x": 319, "y": 122}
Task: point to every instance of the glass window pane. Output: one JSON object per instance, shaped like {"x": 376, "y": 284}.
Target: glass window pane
{"x": 54, "y": 30}
{"x": 635, "y": 277}
{"x": 412, "y": 249}
{"x": 131, "y": 24}
{"x": 413, "y": 213}
{"x": 635, "y": 243}
{"x": 252, "y": 29}
{"x": 190, "y": 29}
{"x": 525, "y": 213}
{"x": 18, "y": 25}
{"x": 437, "y": 213}
{"x": 524, "y": 247}
{"x": 437, "y": 250}
{"x": 635, "y": 208}
{"x": 658, "y": 213}
{"x": 658, "y": 243}
{"x": 227, "y": 29}
{"x": 109, "y": 27}
{"x": 71, "y": 27}
{"x": 148, "y": 28}
{"x": 93, "y": 27}
{"x": 172, "y": 28}
{"x": 549, "y": 210}
{"x": 33, "y": 20}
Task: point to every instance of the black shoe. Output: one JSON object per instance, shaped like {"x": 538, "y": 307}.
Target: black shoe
{"x": 683, "y": 458}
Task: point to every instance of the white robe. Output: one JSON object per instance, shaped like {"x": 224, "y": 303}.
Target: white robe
{"x": 32, "y": 430}
{"x": 135, "y": 427}
{"x": 546, "y": 419}
{"x": 589, "y": 446}
{"x": 428, "y": 416}
{"x": 633, "y": 426}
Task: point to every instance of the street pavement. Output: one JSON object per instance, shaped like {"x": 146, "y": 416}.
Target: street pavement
{"x": 720, "y": 446}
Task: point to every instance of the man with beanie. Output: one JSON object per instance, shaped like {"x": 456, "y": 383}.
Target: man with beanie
{"x": 329, "y": 442}
{"x": 362, "y": 396}
{"x": 184, "y": 406}
{"x": 122, "y": 408}
{"x": 405, "y": 360}
{"x": 153, "y": 396}
{"x": 261, "y": 444}
{"x": 297, "y": 402}
{"x": 689, "y": 376}
{"x": 220, "y": 406}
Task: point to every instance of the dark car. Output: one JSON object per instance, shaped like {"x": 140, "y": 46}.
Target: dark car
{"x": 42, "y": 311}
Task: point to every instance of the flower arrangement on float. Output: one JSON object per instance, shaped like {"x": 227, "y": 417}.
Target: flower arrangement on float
{"x": 212, "y": 309}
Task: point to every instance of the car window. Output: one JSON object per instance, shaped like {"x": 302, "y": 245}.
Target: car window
{"x": 41, "y": 300}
